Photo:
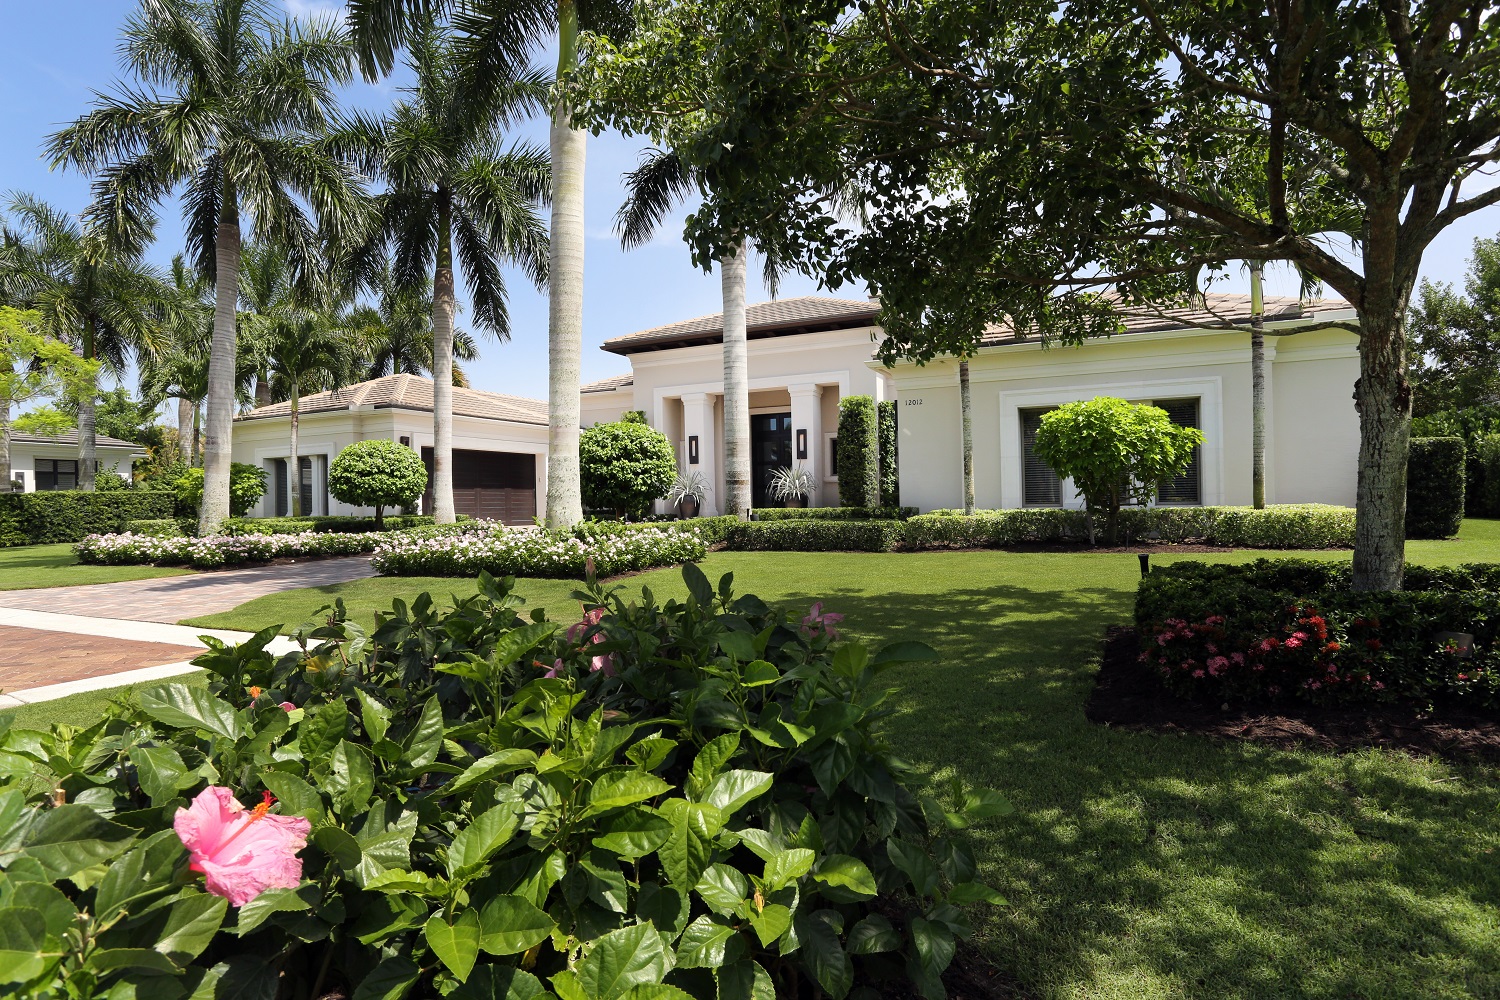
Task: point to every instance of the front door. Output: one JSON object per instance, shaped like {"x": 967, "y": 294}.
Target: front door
{"x": 770, "y": 449}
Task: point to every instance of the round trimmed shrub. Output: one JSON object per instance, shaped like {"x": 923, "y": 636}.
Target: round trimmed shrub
{"x": 625, "y": 466}
{"x": 379, "y": 473}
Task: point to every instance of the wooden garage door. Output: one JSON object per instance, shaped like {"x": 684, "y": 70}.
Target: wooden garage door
{"x": 496, "y": 485}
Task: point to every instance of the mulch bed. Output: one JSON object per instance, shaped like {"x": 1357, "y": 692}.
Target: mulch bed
{"x": 1129, "y": 695}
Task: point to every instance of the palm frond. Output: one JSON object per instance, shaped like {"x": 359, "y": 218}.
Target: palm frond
{"x": 653, "y": 188}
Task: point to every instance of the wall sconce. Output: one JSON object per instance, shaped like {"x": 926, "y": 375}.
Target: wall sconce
{"x": 801, "y": 442}
{"x": 692, "y": 449}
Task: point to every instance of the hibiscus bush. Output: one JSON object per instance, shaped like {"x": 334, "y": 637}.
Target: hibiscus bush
{"x": 491, "y": 547}
{"x": 662, "y": 800}
{"x": 214, "y": 551}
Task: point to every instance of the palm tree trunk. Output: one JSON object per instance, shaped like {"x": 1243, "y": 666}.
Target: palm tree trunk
{"x": 442, "y": 371}
{"x": 197, "y": 457}
{"x": 262, "y": 390}
{"x": 5, "y": 471}
{"x": 1258, "y": 386}
{"x": 221, "y": 363}
{"x": 296, "y": 476}
{"x": 565, "y": 292}
{"x": 968, "y": 423}
{"x": 187, "y": 412}
{"x": 737, "y": 496}
{"x": 88, "y": 450}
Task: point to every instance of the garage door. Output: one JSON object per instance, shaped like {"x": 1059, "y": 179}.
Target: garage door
{"x": 496, "y": 485}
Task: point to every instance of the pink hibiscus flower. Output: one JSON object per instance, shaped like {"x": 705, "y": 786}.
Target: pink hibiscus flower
{"x": 241, "y": 852}
{"x": 604, "y": 662}
{"x": 820, "y": 622}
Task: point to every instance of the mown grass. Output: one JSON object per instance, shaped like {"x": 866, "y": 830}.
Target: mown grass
{"x": 28, "y": 566}
{"x": 1138, "y": 865}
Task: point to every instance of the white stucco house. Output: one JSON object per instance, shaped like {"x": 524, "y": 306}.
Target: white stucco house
{"x": 499, "y": 445}
{"x": 51, "y": 463}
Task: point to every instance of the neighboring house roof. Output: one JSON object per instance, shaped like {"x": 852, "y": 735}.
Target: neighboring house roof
{"x": 70, "y": 438}
{"x": 1215, "y": 310}
{"x": 610, "y": 384}
{"x": 804, "y": 314}
{"x": 409, "y": 392}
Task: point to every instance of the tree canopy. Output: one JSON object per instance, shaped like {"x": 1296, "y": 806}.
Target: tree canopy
{"x": 1455, "y": 337}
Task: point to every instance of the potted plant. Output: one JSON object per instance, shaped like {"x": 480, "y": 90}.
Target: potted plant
{"x": 792, "y": 486}
{"x": 687, "y": 494}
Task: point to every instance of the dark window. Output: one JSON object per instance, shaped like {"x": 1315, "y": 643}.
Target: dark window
{"x": 279, "y": 485}
{"x": 304, "y": 462}
{"x": 56, "y": 474}
{"x": 1040, "y": 486}
{"x": 833, "y": 457}
{"x": 1187, "y": 488}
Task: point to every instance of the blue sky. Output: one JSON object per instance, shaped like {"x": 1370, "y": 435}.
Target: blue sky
{"x": 53, "y": 55}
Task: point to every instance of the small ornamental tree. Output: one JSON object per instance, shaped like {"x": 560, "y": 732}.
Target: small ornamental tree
{"x": 859, "y": 463}
{"x": 1115, "y": 452}
{"x": 378, "y": 473}
{"x": 247, "y": 484}
{"x": 625, "y": 466}
{"x": 890, "y": 472}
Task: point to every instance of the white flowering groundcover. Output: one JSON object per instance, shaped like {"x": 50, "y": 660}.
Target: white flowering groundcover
{"x": 502, "y": 551}
{"x": 213, "y": 551}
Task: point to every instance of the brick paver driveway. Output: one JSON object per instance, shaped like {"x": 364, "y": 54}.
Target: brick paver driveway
{"x": 34, "y": 657}
{"x": 173, "y": 598}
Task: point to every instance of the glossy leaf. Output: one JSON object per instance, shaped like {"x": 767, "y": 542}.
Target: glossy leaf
{"x": 455, "y": 943}
{"x": 509, "y": 925}
{"x": 191, "y": 708}
{"x": 703, "y": 943}
{"x": 624, "y": 958}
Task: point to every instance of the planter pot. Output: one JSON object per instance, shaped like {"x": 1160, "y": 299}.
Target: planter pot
{"x": 795, "y": 502}
{"x": 687, "y": 508}
{"x": 1462, "y": 641}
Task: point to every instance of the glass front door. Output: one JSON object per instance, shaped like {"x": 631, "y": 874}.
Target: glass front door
{"x": 770, "y": 449}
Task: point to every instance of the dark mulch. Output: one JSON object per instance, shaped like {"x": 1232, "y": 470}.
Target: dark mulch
{"x": 1129, "y": 695}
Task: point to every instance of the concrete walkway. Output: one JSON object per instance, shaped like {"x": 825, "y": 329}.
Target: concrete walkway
{"x": 173, "y": 598}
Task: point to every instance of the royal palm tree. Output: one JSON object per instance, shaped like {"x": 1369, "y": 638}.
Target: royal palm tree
{"x": 100, "y": 297}
{"x": 455, "y": 195}
{"x": 394, "y": 335}
{"x": 181, "y": 371}
{"x": 232, "y": 103}
{"x": 497, "y": 36}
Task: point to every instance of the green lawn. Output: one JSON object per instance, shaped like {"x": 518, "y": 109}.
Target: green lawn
{"x": 30, "y": 566}
{"x": 1137, "y": 865}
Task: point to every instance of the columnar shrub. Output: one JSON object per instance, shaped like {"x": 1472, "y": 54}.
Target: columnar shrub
{"x": 1470, "y": 423}
{"x": 1486, "y": 503}
{"x": 625, "y": 467}
{"x": 378, "y": 473}
{"x": 1435, "y": 487}
{"x": 858, "y": 448}
{"x": 70, "y": 515}
{"x": 890, "y": 479}
{"x": 681, "y": 800}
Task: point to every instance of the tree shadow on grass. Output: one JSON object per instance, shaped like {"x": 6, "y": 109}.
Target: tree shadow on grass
{"x": 1170, "y": 864}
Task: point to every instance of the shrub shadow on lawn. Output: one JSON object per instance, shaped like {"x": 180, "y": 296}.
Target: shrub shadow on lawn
{"x": 1145, "y": 863}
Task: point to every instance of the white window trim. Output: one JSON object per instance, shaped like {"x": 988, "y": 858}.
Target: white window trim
{"x": 1210, "y": 393}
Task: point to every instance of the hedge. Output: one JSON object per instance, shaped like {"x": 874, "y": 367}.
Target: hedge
{"x": 859, "y": 467}
{"x": 1283, "y": 526}
{"x": 72, "y": 515}
{"x": 1470, "y": 423}
{"x": 214, "y": 551}
{"x": 814, "y": 536}
{"x": 1294, "y": 628}
{"x": 331, "y": 524}
{"x": 1435, "y": 487}
{"x": 502, "y": 551}
{"x": 1486, "y": 499}
{"x": 890, "y": 478}
{"x": 832, "y": 513}
{"x": 711, "y": 529}
{"x": 164, "y": 527}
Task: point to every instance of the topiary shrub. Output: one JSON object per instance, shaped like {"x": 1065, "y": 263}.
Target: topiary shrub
{"x": 1470, "y": 423}
{"x": 1486, "y": 500}
{"x": 890, "y": 480}
{"x": 379, "y": 473}
{"x": 858, "y": 453}
{"x": 247, "y": 484}
{"x": 1435, "y": 487}
{"x": 625, "y": 467}
{"x": 814, "y": 536}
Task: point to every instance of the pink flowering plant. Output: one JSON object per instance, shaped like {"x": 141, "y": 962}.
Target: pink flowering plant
{"x": 645, "y": 799}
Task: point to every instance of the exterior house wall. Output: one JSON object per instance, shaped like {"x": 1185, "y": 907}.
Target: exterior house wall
{"x": 606, "y": 407}
{"x": 24, "y": 454}
{"x": 1312, "y": 430}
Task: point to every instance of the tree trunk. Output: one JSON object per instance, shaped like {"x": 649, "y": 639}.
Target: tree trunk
{"x": 5, "y": 471}
{"x": 197, "y": 458}
{"x": 296, "y": 476}
{"x": 565, "y": 292}
{"x": 1258, "y": 386}
{"x": 968, "y": 431}
{"x": 737, "y": 495}
{"x": 88, "y": 445}
{"x": 262, "y": 390}
{"x": 1383, "y": 398}
{"x": 442, "y": 371}
{"x": 219, "y": 420}
{"x": 187, "y": 411}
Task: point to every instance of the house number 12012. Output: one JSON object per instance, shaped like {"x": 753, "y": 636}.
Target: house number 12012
{"x": 913, "y": 402}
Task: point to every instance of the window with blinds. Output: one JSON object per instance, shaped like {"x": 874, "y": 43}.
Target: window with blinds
{"x": 1040, "y": 486}
{"x": 1186, "y": 489}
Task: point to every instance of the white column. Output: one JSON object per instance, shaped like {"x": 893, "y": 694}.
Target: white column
{"x": 807, "y": 435}
{"x": 698, "y": 423}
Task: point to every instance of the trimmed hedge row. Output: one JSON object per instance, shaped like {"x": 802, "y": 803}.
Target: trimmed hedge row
{"x": 815, "y": 536}
{"x": 711, "y": 529}
{"x": 163, "y": 527}
{"x": 1283, "y": 526}
{"x": 1434, "y": 487}
{"x": 72, "y": 515}
{"x": 833, "y": 513}
{"x": 322, "y": 524}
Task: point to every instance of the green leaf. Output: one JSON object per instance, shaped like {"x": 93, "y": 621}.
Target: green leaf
{"x": 913, "y": 860}
{"x": 632, "y": 833}
{"x": 688, "y": 851}
{"x": 744, "y": 980}
{"x": 72, "y": 837}
{"x": 243, "y": 977}
{"x": 663, "y": 906}
{"x": 456, "y": 943}
{"x": 739, "y": 645}
{"x": 983, "y": 803}
{"x": 58, "y": 914}
{"x": 375, "y": 717}
{"x": 500, "y": 982}
{"x": 935, "y": 945}
{"x": 771, "y": 922}
{"x": 723, "y": 889}
{"x": 352, "y": 779}
{"x": 145, "y": 959}
{"x": 850, "y": 660}
{"x": 22, "y": 931}
{"x": 191, "y": 708}
{"x": 390, "y": 980}
{"x": 788, "y": 866}
{"x": 974, "y": 892}
{"x": 272, "y": 901}
{"x": 847, "y": 873}
{"x": 339, "y": 845}
{"x": 622, "y": 788}
{"x": 824, "y": 954}
{"x": 191, "y": 925}
{"x": 515, "y": 644}
{"x": 650, "y": 752}
{"x": 759, "y": 673}
{"x": 426, "y": 739}
{"x": 624, "y": 958}
{"x": 509, "y": 925}
{"x": 161, "y": 772}
{"x": 732, "y": 789}
{"x": 146, "y": 870}
{"x": 296, "y": 796}
{"x": 711, "y": 759}
{"x": 873, "y": 935}
{"x": 496, "y": 764}
{"x": 698, "y": 586}
{"x": 656, "y": 991}
{"x": 905, "y": 651}
{"x": 320, "y": 732}
{"x": 475, "y": 843}
{"x": 703, "y": 944}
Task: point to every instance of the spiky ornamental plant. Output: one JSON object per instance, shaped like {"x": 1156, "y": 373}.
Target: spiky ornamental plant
{"x": 454, "y": 190}
{"x": 229, "y": 103}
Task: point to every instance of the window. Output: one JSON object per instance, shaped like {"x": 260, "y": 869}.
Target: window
{"x": 833, "y": 456}
{"x": 1040, "y": 486}
{"x": 1186, "y": 489}
{"x": 56, "y": 474}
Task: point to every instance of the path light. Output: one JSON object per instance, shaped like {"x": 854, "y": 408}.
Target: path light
{"x": 1145, "y": 558}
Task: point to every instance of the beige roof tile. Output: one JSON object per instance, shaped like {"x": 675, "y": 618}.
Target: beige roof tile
{"x": 805, "y": 313}
{"x": 410, "y": 392}
{"x": 610, "y": 384}
{"x": 71, "y": 438}
{"x": 1216, "y": 309}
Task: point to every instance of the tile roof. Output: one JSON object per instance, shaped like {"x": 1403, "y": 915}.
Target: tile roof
{"x": 71, "y": 438}
{"x": 410, "y": 392}
{"x": 804, "y": 314}
{"x": 1215, "y": 310}
{"x": 610, "y": 384}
